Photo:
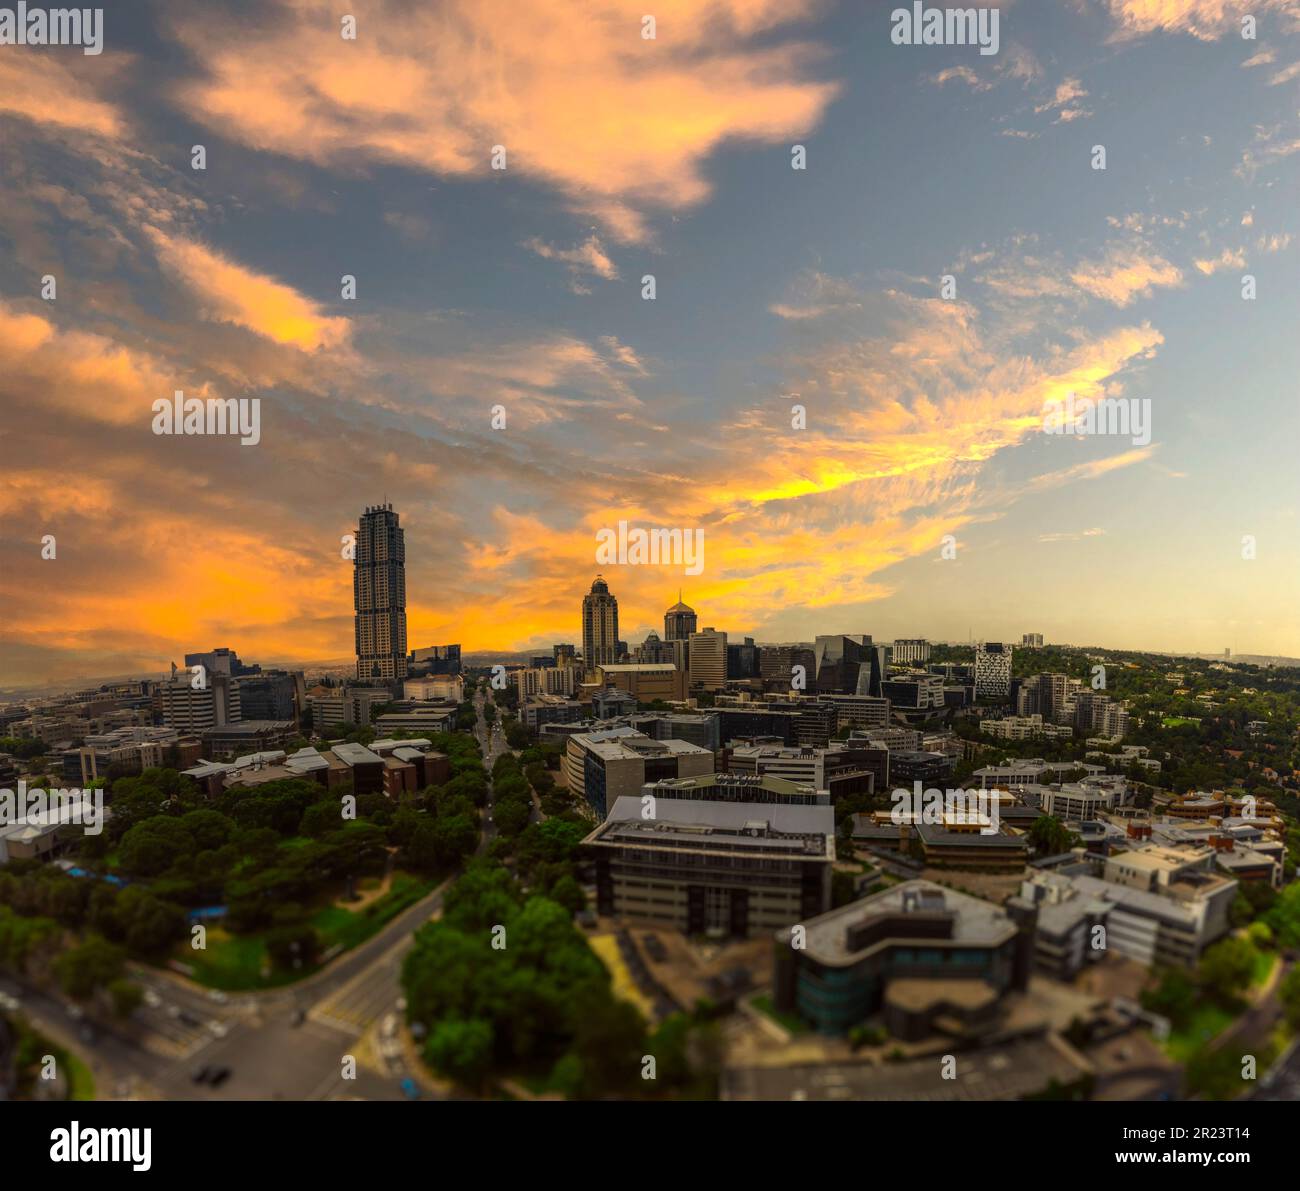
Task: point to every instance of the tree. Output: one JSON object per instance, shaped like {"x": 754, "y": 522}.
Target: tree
{"x": 127, "y": 997}
{"x": 94, "y": 964}
{"x": 1226, "y": 969}
{"x": 1289, "y": 995}
{"x": 1049, "y": 836}
{"x": 462, "y": 1050}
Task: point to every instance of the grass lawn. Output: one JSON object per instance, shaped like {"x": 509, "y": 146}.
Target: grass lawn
{"x": 790, "y": 1022}
{"x": 235, "y": 963}
{"x": 1207, "y": 1023}
{"x": 1177, "y": 721}
{"x": 79, "y": 1077}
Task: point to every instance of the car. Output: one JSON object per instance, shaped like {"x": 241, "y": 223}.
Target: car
{"x": 218, "y": 1077}
{"x": 200, "y": 1074}
{"x": 219, "y": 1029}
{"x": 297, "y": 1017}
{"x": 151, "y": 998}
{"x": 410, "y": 1089}
{"x": 188, "y": 1019}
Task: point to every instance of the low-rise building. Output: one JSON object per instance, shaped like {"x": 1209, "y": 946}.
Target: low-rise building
{"x": 864, "y": 958}
{"x": 714, "y": 867}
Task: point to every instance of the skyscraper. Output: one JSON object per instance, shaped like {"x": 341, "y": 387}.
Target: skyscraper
{"x": 708, "y": 659}
{"x": 379, "y": 595}
{"x": 680, "y": 621}
{"x": 599, "y": 626}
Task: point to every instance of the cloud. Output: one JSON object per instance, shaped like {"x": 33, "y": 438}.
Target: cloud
{"x": 619, "y": 125}
{"x": 1065, "y": 102}
{"x": 588, "y": 257}
{"x": 36, "y": 84}
{"x": 233, "y": 294}
{"x": 1229, "y": 258}
{"x": 1206, "y": 20}
{"x": 1125, "y": 274}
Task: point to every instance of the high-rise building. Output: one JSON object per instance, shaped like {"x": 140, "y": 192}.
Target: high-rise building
{"x": 992, "y": 670}
{"x": 680, "y": 621}
{"x": 191, "y": 707}
{"x": 435, "y": 659}
{"x": 742, "y": 659}
{"x": 653, "y": 650}
{"x": 599, "y": 626}
{"x": 564, "y": 654}
{"x": 379, "y": 595}
{"x": 708, "y": 660}
{"x": 914, "y": 650}
{"x": 1032, "y": 641}
{"x": 221, "y": 661}
{"x": 849, "y": 664}
{"x": 777, "y": 667}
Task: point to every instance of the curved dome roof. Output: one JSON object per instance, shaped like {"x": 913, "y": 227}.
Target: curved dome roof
{"x": 599, "y": 585}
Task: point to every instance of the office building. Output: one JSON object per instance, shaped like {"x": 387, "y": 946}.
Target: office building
{"x": 849, "y": 664}
{"x": 191, "y": 709}
{"x": 247, "y": 736}
{"x": 543, "y": 709}
{"x": 914, "y": 692}
{"x": 552, "y": 680}
{"x": 565, "y": 654}
{"x": 332, "y": 707}
{"x": 604, "y": 765}
{"x": 379, "y": 596}
{"x": 708, "y": 660}
{"x": 272, "y": 695}
{"x": 435, "y": 686}
{"x": 599, "y": 626}
{"x": 914, "y": 953}
{"x": 221, "y": 661}
{"x": 1032, "y": 641}
{"x": 654, "y": 651}
{"x": 787, "y": 667}
{"x": 435, "y": 659}
{"x": 911, "y": 652}
{"x": 992, "y": 670}
{"x": 742, "y": 660}
{"x": 645, "y": 681}
{"x": 679, "y": 621}
{"x": 840, "y": 772}
{"x": 711, "y": 866}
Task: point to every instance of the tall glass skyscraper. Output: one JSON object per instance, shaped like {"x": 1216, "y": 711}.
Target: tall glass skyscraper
{"x": 379, "y": 595}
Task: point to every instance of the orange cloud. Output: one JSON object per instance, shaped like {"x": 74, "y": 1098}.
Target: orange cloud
{"x": 39, "y": 86}
{"x": 574, "y": 93}
{"x": 230, "y": 293}
{"x": 1125, "y": 275}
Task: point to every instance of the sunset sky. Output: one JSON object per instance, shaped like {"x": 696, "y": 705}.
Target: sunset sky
{"x": 775, "y": 287}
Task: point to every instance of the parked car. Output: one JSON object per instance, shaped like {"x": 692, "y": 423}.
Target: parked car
{"x": 410, "y": 1089}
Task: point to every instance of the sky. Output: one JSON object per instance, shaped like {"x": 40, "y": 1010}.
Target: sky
{"x": 918, "y": 496}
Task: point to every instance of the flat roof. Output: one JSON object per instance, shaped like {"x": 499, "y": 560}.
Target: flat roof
{"x": 975, "y": 922}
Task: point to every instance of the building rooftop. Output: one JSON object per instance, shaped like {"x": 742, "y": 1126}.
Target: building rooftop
{"x": 973, "y": 922}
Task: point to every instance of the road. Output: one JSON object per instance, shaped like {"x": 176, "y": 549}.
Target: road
{"x": 285, "y": 1044}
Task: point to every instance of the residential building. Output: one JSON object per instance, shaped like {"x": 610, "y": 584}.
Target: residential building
{"x": 992, "y": 670}
{"x": 541, "y": 710}
{"x": 1032, "y": 641}
{"x": 599, "y": 626}
{"x": 379, "y": 595}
